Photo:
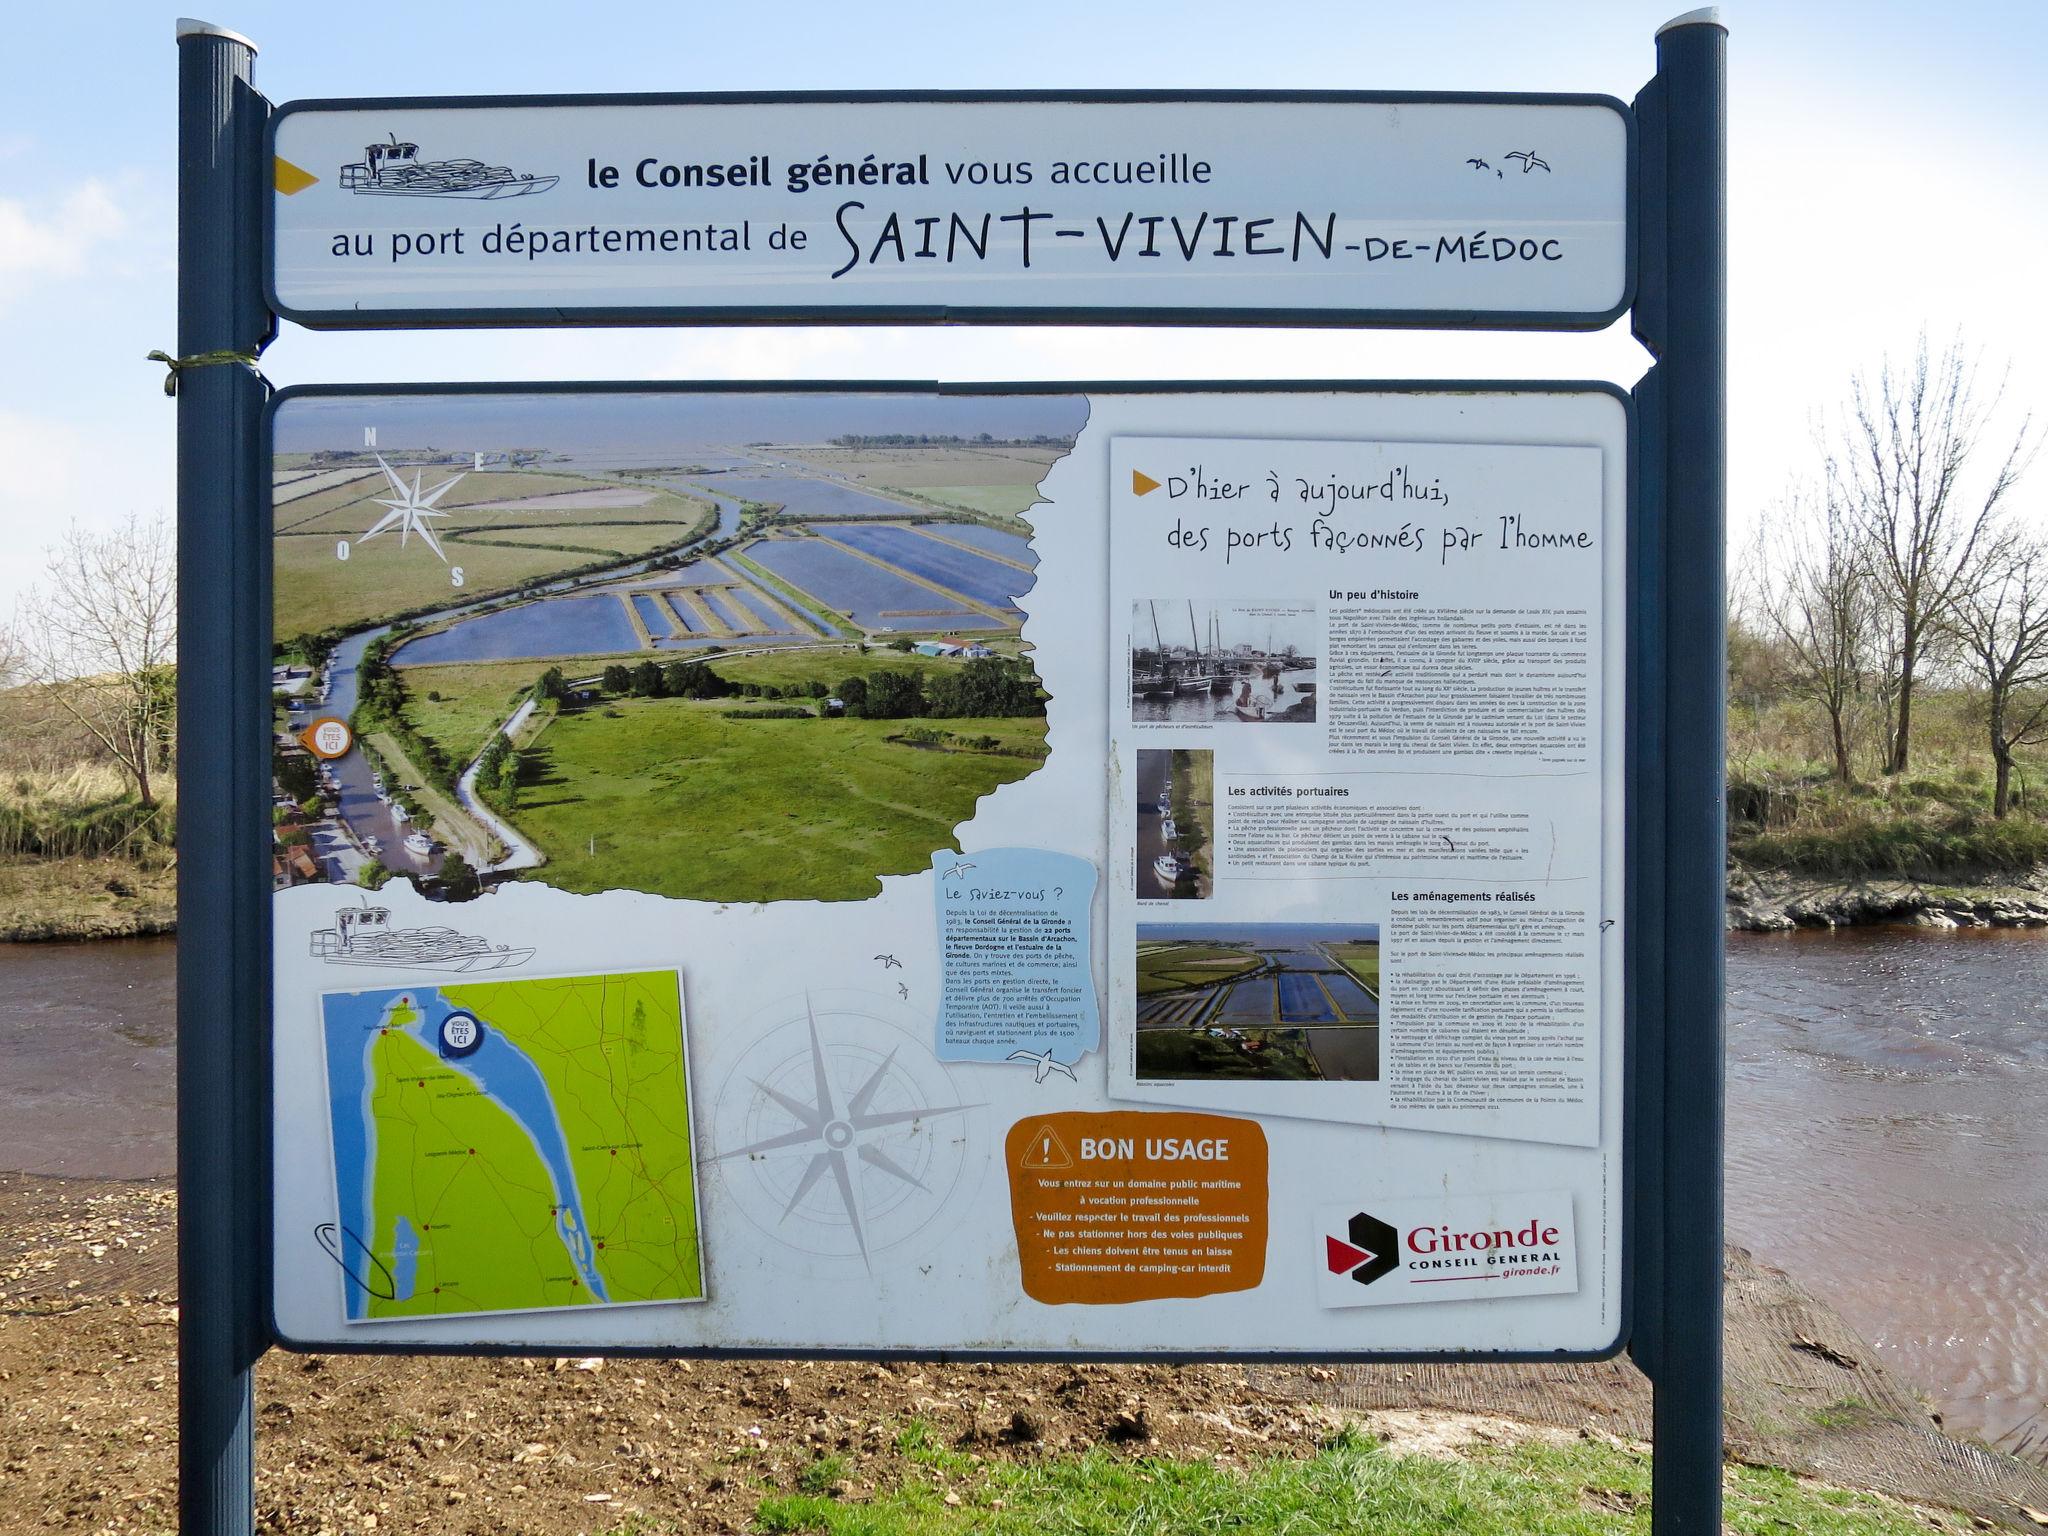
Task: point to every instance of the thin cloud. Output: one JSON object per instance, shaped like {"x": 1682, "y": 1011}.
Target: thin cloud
{"x": 59, "y": 241}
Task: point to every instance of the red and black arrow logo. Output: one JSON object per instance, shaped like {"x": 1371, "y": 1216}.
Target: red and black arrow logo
{"x": 1374, "y": 1250}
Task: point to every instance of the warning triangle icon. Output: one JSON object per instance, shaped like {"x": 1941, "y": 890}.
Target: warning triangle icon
{"x": 1046, "y": 1150}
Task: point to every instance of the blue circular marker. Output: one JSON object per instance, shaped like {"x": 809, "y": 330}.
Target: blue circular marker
{"x": 461, "y": 1035}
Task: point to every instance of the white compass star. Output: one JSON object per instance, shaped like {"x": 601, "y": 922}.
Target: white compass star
{"x": 408, "y": 514}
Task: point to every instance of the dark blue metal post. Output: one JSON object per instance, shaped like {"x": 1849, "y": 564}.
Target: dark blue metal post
{"x": 1682, "y": 318}
{"x": 223, "y": 732}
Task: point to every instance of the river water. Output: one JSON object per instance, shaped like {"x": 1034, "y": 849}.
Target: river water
{"x": 1887, "y": 1128}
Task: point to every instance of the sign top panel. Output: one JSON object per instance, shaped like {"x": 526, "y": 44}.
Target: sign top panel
{"x": 1327, "y": 209}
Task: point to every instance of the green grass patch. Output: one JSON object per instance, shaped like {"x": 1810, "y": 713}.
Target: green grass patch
{"x": 1173, "y": 967}
{"x": 996, "y": 500}
{"x": 475, "y": 699}
{"x": 1971, "y": 844}
{"x": 671, "y": 796}
{"x": 1362, "y": 960}
{"x": 1349, "y": 1488}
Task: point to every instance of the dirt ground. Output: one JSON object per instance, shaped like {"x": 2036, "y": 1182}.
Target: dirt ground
{"x": 88, "y": 1405}
{"x": 88, "y": 1409}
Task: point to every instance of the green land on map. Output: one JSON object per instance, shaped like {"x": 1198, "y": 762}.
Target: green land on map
{"x": 451, "y": 1159}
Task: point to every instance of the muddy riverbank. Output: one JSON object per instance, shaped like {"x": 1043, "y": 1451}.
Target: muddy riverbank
{"x": 1779, "y": 901}
{"x": 46, "y": 900}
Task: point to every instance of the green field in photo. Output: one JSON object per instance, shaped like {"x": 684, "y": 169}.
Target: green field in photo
{"x": 999, "y": 500}
{"x": 1170, "y": 968}
{"x": 672, "y": 796}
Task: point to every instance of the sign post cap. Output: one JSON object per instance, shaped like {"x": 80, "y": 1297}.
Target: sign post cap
{"x": 187, "y": 27}
{"x": 1705, "y": 16}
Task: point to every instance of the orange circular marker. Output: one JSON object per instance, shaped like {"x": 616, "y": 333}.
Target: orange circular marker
{"x": 328, "y": 737}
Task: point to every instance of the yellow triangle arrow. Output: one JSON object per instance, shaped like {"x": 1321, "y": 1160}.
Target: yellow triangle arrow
{"x": 290, "y": 178}
{"x": 1142, "y": 484}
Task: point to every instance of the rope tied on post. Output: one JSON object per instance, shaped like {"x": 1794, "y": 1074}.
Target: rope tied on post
{"x": 246, "y": 356}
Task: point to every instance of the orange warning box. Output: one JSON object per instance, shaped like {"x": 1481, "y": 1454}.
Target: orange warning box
{"x": 1137, "y": 1205}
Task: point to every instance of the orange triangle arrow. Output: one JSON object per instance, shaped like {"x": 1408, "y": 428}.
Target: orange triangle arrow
{"x": 290, "y": 178}
{"x": 1142, "y": 484}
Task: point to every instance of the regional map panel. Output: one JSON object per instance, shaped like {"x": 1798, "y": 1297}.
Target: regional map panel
{"x": 722, "y": 899}
{"x": 429, "y": 212}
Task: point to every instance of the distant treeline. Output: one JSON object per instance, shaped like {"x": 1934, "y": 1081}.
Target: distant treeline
{"x": 987, "y": 688}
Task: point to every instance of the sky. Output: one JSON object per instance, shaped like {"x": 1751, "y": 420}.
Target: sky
{"x": 1888, "y": 172}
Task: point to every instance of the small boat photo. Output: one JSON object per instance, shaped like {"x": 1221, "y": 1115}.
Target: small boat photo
{"x": 1171, "y": 868}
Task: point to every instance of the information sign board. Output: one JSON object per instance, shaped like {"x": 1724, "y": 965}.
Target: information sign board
{"x": 1029, "y": 870}
{"x": 1221, "y": 208}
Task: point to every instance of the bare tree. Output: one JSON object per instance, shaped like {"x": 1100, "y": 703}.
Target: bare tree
{"x": 98, "y": 640}
{"x": 2001, "y": 626}
{"x": 1816, "y": 594}
{"x": 1906, "y": 469}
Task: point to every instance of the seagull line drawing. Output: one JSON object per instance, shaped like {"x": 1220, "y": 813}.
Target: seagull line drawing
{"x": 956, "y": 871}
{"x": 888, "y": 961}
{"x": 829, "y": 1134}
{"x": 1043, "y": 1064}
{"x": 1529, "y": 158}
{"x": 410, "y": 511}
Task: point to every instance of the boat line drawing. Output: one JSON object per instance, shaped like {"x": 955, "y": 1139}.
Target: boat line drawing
{"x": 364, "y": 936}
{"x": 396, "y": 170}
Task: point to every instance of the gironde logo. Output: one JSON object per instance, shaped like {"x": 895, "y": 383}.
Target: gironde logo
{"x": 1372, "y": 1249}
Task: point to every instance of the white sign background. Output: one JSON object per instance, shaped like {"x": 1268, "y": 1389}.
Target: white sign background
{"x": 1499, "y": 210}
{"x": 751, "y": 970}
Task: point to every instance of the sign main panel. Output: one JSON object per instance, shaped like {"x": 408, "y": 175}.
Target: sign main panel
{"x": 976, "y": 871}
{"x": 1495, "y": 211}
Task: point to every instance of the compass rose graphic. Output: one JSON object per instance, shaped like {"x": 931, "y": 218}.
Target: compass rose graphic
{"x": 409, "y": 512}
{"x": 844, "y": 1148}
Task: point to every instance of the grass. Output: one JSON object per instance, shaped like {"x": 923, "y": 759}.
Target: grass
{"x": 83, "y": 810}
{"x": 717, "y": 799}
{"x": 1170, "y": 969}
{"x": 679, "y": 800}
{"x": 1931, "y": 823}
{"x": 475, "y": 699}
{"x": 1351, "y": 1485}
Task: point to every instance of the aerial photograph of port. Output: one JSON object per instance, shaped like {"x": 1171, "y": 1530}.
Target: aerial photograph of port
{"x": 731, "y": 647}
{"x": 1274, "y": 1002}
{"x": 1176, "y": 823}
{"x": 1194, "y": 662}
